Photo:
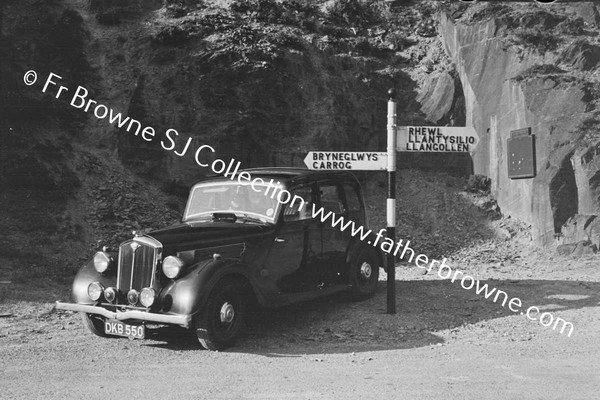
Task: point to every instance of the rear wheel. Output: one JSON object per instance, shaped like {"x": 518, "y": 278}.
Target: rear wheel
{"x": 364, "y": 273}
{"x": 224, "y": 316}
{"x": 94, "y": 323}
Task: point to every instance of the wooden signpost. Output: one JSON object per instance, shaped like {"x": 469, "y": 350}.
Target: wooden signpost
{"x": 437, "y": 139}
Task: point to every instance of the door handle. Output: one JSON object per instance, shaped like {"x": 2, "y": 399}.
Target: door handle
{"x": 277, "y": 240}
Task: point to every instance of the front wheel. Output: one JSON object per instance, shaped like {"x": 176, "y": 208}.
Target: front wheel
{"x": 224, "y": 316}
{"x": 364, "y": 273}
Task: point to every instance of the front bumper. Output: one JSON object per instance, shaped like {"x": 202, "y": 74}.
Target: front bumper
{"x": 172, "y": 319}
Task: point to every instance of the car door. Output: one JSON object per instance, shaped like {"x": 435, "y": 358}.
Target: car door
{"x": 354, "y": 205}
{"x": 334, "y": 241}
{"x": 296, "y": 248}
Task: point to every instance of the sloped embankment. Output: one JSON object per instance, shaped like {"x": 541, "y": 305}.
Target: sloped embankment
{"x": 261, "y": 81}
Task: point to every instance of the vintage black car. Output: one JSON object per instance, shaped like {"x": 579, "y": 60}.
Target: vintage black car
{"x": 237, "y": 245}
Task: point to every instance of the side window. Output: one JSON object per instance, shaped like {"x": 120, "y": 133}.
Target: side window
{"x": 300, "y": 206}
{"x": 330, "y": 198}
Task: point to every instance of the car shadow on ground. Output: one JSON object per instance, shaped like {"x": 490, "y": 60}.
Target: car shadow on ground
{"x": 425, "y": 310}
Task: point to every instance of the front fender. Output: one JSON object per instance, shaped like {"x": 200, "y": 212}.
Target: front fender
{"x": 188, "y": 294}
{"x": 86, "y": 275}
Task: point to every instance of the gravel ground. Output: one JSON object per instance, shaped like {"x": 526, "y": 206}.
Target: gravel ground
{"x": 444, "y": 341}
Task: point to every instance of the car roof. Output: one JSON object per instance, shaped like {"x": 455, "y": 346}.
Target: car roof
{"x": 289, "y": 175}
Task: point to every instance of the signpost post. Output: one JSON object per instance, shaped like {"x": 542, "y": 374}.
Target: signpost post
{"x": 391, "y": 201}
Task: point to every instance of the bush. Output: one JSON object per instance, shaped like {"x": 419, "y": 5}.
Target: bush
{"x": 540, "y": 41}
{"x": 113, "y": 12}
{"x": 244, "y": 36}
{"x": 362, "y": 46}
{"x": 334, "y": 31}
{"x": 170, "y": 35}
{"x": 353, "y": 13}
{"x": 259, "y": 6}
{"x": 397, "y": 41}
{"x": 283, "y": 39}
{"x": 110, "y": 17}
{"x": 489, "y": 11}
{"x": 286, "y": 13}
{"x": 537, "y": 19}
{"x": 478, "y": 183}
{"x": 184, "y": 3}
{"x": 209, "y": 23}
{"x": 176, "y": 11}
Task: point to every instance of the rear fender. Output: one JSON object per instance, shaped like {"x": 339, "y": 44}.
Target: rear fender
{"x": 356, "y": 245}
{"x": 188, "y": 294}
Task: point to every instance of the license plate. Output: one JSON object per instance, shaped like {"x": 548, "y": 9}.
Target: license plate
{"x": 118, "y": 328}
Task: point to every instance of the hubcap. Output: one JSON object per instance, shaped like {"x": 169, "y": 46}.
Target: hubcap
{"x": 227, "y": 313}
{"x": 366, "y": 270}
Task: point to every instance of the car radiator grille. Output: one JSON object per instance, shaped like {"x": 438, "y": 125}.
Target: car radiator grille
{"x": 138, "y": 259}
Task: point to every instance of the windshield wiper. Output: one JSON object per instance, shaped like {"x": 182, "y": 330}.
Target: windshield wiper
{"x": 198, "y": 219}
{"x": 248, "y": 218}
{"x": 224, "y": 216}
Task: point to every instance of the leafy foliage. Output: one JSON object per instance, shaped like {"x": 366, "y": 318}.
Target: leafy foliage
{"x": 353, "y": 13}
{"x": 176, "y": 10}
{"x": 295, "y": 13}
{"x": 176, "y": 33}
{"x": 478, "y": 183}
{"x": 542, "y": 41}
{"x": 113, "y": 12}
{"x": 256, "y": 48}
{"x": 109, "y": 17}
{"x": 170, "y": 35}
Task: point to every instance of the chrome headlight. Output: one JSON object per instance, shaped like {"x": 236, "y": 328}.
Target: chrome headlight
{"x": 172, "y": 266}
{"x": 147, "y": 297}
{"x": 110, "y": 294}
{"x": 133, "y": 296}
{"x": 95, "y": 290}
{"x": 102, "y": 261}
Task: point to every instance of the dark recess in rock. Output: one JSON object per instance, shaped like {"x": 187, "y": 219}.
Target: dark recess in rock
{"x": 563, "y": 194}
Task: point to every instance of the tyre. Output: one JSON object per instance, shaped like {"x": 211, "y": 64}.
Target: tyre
{"x": 224, "y": 316}
{"x": 364, "y": 273}
{"x": 94, "y": 323}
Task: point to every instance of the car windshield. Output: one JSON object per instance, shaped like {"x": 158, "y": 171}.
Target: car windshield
{"x": 231, "y": 197}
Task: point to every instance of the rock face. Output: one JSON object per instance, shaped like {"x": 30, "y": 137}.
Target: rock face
{"x": 511, "y": 80}
{"x": 437, "y": 96}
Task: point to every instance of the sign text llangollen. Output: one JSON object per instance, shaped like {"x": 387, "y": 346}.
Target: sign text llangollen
{"x": 436, "y": 138}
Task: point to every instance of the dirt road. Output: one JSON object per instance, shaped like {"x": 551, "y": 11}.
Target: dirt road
{"x": 444, "y": 342}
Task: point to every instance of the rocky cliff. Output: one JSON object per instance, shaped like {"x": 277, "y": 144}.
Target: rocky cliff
{"x": 264, "y": 82}
{"x": 528, "y": 65}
